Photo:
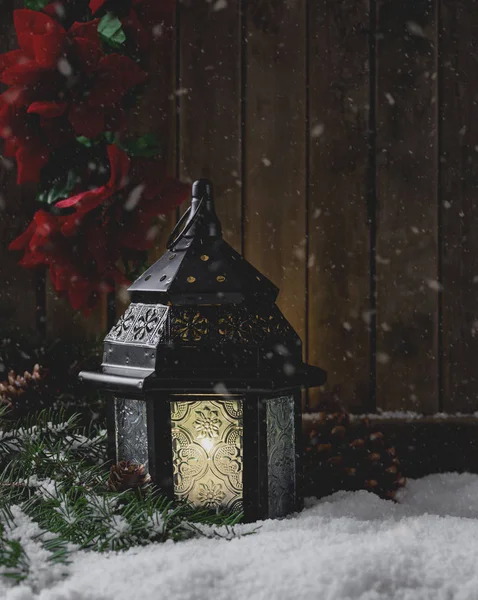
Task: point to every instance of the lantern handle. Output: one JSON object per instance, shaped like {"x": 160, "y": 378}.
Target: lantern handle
{"x": 176, "y": 237}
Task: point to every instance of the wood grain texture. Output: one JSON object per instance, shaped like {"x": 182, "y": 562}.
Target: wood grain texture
{"x": 275, "y": 211}
{"x": 157, "y": 114}
{"x": 339, "y": 247}
{"x": 459, "y": 202}
{"x": 210, "y": 100}
{"x": 406, "y": 251}
{"x": 18, "y": 294}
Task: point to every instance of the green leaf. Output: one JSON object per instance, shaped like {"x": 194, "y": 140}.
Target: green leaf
{"x": 111, "y": 31}
{"x": 60, "y": 190}
{"x": 110, "y": 137}
{"x": 36, "y": 4}
{"x": 147, "y": 146}
{"x": 84, "y": 141}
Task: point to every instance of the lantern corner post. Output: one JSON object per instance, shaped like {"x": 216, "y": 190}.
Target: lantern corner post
{"x": 299, "y": 451}
{"x": 255, "y": 461}
{"x": 160, "y": 445}
{"x": 110, "y": 428}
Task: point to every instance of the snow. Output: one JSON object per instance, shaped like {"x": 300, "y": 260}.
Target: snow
{"x": 403, "y": 415}
{"x": 351, "y": 545}
{"x": 42, "y": 572}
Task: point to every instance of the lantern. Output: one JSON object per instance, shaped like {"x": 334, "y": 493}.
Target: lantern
{"x": 205, "y": 376}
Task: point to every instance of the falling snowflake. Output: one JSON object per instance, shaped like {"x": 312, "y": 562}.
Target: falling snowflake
{"x": 434, "y": 285}
{"x": 219, "y": 5}
{"x": 415, "y": 29}
{"x": 390, "y": 98}
{"x": 64, "y": 67}
{"x": 134, "y": 197}
{"x": 317, "y": 130}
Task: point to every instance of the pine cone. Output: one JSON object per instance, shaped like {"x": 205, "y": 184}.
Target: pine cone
{"x": 344, "y": 455}
{"x": 127, "y": 475}
{"x": 16, "y": 385}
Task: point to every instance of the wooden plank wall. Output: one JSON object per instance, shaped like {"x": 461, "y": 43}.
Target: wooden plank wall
{"x": 339, "y": 304}
{"x": 342, "y": 139}
{"x": 406, "y": 258}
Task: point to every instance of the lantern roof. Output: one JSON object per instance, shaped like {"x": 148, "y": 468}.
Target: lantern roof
{"x": 203, "y": 319}
{"x": 199, "y": 267}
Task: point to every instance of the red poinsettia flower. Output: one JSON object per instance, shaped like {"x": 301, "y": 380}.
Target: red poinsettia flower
{"x": 86, "y": 201}
{"x": 136, "y": 193}
{"x": 81, "y": 270}
{"x": 142, "y": 182}
{"x": 111, "y": 221}
{"x": 43, "y": 43}
{"x": 78, "y": 79}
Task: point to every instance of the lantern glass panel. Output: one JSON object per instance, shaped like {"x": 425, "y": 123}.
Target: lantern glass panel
{"x": 207, "y": 438}
{"x": 131, "y": 430}
{"x": 281, "y": 455}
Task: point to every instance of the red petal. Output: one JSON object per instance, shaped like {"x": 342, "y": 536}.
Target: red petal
{"x": 87, "y": 31}
{"x": 48, "y": 110}
{"x": 87, "y": 121}
{"x": 88, "y": 53}
{"x": 134, "y": 29}
{"x": 83, "y": 202}
{"x": 30, "y": 161}
{"x": 131, "y": 74}
{"x": 46, "y": 222}
{"x": 10, "y": 148}
{"x": 95, "y": 5}
{"x": 55, "y": 278}
{"x": 80, "y": 293}
{"x": 22, "y": 241}
{"x": 30, "y": 23}
{"x": 55, "y": 10}
{"x": 24, "y": 73}
{"x": 15, "y": 96}
{"x": 115, "y": 118}
{"x": 115, "y": 75}
{"x": 120, "y": 165}
{"x": 49, "y": 48}
{"x": 11, "y": 59}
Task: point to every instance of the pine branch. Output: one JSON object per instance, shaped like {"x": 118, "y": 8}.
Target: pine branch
{"x": 54, "y": 472}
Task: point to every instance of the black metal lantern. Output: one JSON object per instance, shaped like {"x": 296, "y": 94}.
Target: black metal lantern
{"x": 205, "y": 375}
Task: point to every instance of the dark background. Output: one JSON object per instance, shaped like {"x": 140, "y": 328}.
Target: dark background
{"x": 342, "y": 139}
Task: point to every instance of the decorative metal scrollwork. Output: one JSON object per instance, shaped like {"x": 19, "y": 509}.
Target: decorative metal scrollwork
{"x": 239, "y": 325}
{"x": 281, "y": 455}
{"x": 146, "y": 323}
{"x": 141, "y": 324}
{"x": 236, "y": 327}
{"x": 121, "y": 329}
{"x": 131, "y": 430}
{"x": 189, "y": 326}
